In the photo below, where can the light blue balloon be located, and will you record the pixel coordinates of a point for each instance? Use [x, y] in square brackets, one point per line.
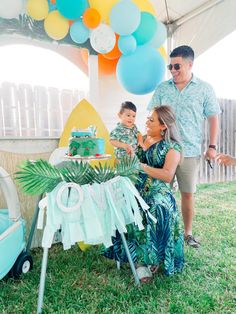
[146, 29]
[72, 9]
[142, 71]
[124, 17]
[79, 33]
[160, 35]
[127, 44]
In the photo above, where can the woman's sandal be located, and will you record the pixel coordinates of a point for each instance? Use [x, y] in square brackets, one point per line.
[144, 274]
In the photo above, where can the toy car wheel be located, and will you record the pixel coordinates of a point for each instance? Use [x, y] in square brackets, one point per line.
[23, 264]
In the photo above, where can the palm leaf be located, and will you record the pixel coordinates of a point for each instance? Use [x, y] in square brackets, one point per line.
[103, 173]
[78, 172]
[26, 26]
[128, 167]
[38, 177]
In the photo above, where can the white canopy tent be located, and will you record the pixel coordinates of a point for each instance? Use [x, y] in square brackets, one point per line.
[200, 24]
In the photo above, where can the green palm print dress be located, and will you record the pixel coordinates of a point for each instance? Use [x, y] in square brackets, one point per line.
[160, 243]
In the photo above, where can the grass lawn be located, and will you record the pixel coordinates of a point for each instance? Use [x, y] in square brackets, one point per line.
[85, 282]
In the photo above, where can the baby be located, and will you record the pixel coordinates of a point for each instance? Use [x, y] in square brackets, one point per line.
[126, 137]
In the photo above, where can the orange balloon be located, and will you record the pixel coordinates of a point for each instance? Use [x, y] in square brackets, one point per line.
[105, 66]
[70, 22]
[115, 52]
[53, 1]
[91, 18]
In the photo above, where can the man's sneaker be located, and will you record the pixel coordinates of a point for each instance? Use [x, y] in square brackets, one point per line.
[189, 240]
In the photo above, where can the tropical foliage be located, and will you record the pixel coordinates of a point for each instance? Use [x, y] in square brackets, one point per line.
[38, 177]
[28, 27]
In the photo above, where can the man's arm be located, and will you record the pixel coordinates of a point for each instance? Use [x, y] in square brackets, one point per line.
[213, 130]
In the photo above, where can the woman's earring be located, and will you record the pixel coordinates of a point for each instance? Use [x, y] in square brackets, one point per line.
[162, 133]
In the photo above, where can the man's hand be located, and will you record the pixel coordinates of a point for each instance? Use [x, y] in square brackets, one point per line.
[210, 154]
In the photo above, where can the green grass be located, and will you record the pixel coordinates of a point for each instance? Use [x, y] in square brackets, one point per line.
[85, 282]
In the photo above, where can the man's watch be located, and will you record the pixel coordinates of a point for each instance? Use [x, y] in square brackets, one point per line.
[213, 147]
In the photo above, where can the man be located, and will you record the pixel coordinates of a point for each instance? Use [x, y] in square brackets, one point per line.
[193, 100]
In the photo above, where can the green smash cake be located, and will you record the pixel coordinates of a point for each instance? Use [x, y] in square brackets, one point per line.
[84, 143]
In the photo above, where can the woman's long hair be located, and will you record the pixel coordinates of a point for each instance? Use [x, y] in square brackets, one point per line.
[166, 117]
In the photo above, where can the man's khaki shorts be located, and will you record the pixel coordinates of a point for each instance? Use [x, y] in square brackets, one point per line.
[187, 174]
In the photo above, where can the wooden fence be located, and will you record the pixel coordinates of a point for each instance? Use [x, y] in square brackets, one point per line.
[226, 144]
[27, 111]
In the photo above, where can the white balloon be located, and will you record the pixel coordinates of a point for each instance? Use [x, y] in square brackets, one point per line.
[10, 9]
[103, 38]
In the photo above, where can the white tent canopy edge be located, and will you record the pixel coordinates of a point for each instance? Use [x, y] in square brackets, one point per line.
[200, 24]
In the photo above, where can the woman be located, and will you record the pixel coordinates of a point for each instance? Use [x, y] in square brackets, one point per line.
[160, 245]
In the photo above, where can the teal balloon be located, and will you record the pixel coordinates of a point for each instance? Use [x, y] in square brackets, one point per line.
[79, 33]
[127, 44]
[160, 35]
[72, 9]
[124, 17]
[146, 29]
[140, 72]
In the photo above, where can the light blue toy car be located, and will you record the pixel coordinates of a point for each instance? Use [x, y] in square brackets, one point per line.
[14, 258]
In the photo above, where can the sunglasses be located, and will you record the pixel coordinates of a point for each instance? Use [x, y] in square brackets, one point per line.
[176, 66]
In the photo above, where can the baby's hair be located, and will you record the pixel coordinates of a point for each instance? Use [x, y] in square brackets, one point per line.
[127, 105]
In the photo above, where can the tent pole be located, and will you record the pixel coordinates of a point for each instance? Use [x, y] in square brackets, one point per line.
[196, 12]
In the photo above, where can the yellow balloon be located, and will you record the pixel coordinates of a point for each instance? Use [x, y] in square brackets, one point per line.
[56, 26]
[37, 9]
[145, 5]
[104, 7]
[163, 53]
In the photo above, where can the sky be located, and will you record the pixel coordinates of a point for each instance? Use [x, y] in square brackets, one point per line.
[38, 66]
[217, 66]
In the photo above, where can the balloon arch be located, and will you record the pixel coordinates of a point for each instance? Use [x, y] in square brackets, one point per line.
[125, 34]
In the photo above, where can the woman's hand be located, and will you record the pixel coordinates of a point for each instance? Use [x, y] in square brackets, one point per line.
[226, 160]
[140, 140]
